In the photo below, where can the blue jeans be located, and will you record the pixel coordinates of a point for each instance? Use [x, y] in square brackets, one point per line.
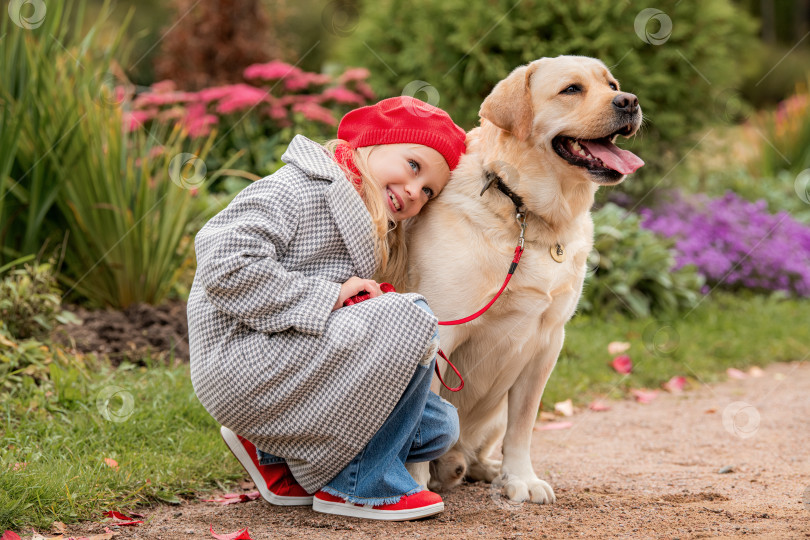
[421, 427]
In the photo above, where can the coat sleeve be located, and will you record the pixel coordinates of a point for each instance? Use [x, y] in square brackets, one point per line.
[237, 262]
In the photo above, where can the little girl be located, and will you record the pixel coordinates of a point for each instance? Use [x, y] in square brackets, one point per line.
[314, 397]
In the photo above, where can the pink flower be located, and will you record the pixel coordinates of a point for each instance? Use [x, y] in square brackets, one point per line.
[215, 93]
[164, 86]
[303, 80]
[167, 98]
[271, 70]
[622, 364]
[315, 112]
[135, 119]
[175, 113]
[354, 74]
[341, 94]
[276, 111]
[364, 89]
[199, 127]
[197, 122]
[241, 97]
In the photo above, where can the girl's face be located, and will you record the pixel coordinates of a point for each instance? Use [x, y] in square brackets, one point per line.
[409, 175]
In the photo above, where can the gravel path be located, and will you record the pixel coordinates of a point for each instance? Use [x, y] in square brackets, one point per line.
[635, 471]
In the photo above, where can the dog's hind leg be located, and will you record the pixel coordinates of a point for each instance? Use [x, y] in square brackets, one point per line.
[482, 466]
[448, 471]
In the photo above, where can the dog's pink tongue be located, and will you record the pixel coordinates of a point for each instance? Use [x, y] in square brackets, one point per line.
[613, 157]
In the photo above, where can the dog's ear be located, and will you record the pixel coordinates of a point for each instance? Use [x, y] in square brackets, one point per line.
[509, 105]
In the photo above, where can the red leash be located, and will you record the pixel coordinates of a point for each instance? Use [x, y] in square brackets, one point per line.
[387, 287]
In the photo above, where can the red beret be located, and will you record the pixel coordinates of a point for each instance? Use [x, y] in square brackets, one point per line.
[404, 119]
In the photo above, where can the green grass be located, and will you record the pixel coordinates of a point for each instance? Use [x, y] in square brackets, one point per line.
[724, 331]
[170, 447]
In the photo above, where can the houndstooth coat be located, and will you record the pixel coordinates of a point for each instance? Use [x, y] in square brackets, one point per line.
[269, 357]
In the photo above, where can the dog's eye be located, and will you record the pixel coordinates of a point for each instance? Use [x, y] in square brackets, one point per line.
[573, 89]
[613, 86]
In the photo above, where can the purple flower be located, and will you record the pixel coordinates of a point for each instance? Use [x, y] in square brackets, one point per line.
[735, 243]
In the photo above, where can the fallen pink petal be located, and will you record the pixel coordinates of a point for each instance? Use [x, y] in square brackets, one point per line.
[598, 406]
[734, 373]
[9, 535]
[617, 347]
[643, 395]
[234, 498]
[121, 519]
[553, 426]
[111, 463]
[675, 385]
[756, 372]
[622, 364]
[239, 535]
[565, 408]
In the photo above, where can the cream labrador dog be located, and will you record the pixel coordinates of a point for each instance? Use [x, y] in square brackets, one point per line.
[545, 144]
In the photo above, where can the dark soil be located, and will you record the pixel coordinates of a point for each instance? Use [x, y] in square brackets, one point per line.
[140, 330]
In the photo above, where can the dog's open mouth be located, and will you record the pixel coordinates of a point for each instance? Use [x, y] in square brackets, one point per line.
[601, 157]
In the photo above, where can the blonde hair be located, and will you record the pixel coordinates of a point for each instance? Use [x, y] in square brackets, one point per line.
[389, 241]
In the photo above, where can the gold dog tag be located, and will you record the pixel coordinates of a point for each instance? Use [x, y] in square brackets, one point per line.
[557, 253]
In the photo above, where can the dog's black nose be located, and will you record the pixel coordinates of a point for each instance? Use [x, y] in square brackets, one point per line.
[626, 102]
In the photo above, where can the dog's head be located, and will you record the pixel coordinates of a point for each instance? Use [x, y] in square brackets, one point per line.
[572, 108]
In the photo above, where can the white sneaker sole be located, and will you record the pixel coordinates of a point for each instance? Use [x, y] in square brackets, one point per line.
[239, 452]
[368, 512]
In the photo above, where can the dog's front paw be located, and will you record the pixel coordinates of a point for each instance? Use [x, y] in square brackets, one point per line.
[486, 469]
[533, 489]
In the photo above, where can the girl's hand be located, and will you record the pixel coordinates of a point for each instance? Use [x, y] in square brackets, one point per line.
[353, 286]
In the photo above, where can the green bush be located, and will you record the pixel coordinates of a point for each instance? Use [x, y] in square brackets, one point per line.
[630, 270]
[464, 48]
[31, 368]
[30, 303]
[779, 70]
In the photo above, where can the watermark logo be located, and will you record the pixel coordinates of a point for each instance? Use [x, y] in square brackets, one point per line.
[418, 108]
[187, 170]
[741, 419]
[592, 262]
[646, 20]
[802, 186]
[340, 18]
[28, 14]
[112, 92]
[115, 404]
[661, 339]
[730, 107]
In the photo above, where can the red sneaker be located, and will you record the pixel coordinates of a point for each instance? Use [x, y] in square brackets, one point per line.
[275, 482]
[419, 505]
